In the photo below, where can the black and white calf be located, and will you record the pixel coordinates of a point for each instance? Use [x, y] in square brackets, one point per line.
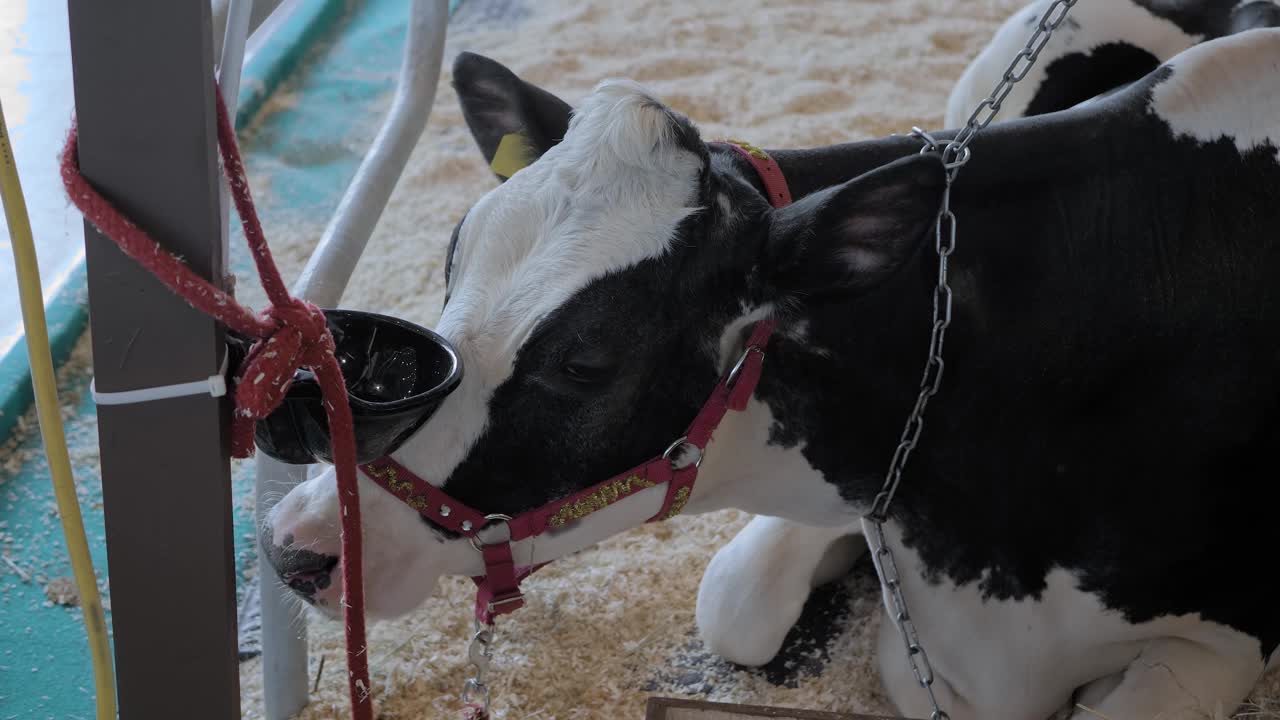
[1094, 494]
[1102, 47]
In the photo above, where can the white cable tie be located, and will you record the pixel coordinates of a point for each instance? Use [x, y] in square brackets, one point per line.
[214, 386]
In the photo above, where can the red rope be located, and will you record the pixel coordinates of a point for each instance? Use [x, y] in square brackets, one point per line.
[291, 333]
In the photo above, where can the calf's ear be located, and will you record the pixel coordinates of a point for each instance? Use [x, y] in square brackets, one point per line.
[512, 121]
[849, 238]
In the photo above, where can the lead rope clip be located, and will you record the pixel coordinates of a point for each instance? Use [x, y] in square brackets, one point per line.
[475, 693]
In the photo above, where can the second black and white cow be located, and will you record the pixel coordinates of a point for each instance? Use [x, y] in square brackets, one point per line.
[1094, 495]
[1100, 48]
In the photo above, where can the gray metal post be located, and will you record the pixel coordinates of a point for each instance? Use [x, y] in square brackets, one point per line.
[284, 642]
[145, 105]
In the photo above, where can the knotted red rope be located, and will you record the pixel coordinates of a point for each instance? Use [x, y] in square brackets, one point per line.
[292, 333]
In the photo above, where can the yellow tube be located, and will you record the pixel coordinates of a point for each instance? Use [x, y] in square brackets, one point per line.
[49, 411]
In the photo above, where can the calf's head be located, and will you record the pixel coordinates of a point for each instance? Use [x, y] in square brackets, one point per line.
[595, 296]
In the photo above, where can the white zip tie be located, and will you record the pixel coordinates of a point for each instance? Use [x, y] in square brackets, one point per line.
[214, 385]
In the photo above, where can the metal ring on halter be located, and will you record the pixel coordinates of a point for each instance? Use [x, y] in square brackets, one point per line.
[683, 442]
[742, 362]
[475, 539]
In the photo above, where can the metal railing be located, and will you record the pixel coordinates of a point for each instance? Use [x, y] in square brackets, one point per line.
[255, 14]
[323, 281]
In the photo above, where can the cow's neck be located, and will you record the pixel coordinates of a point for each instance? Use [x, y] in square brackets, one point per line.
[841, 378]
[1026, 148]
[828, 410]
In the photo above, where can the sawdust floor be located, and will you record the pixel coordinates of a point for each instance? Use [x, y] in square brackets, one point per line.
[613, 625]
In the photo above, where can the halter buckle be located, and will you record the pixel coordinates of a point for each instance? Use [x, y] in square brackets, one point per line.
[516, 597]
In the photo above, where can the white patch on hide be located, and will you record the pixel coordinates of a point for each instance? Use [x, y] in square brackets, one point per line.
[1229, 88]
[1024, 659]
[991, 658]
[742, 470]
[1095, 24]
[722, 201]
[728, 347]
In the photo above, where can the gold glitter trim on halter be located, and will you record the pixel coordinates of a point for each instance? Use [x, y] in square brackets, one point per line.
[598, 500]
[398, 486]
[752, 150]
[677, 505]
[394, 483]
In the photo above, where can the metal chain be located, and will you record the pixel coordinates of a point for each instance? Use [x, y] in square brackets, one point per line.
[987, 110]
[896, 605]
[475, 693]
[954, 156]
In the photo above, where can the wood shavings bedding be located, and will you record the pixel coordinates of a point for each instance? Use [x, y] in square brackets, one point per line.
[610, 626]
[19, 537]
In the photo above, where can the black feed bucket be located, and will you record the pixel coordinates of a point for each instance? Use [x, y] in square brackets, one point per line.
[396, 373]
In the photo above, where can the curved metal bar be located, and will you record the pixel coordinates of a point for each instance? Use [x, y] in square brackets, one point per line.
[323, 281]
[221, 17]
[230, 67]
[231, 62]
[327, 272]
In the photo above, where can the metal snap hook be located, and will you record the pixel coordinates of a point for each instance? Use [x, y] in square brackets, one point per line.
[476, 693]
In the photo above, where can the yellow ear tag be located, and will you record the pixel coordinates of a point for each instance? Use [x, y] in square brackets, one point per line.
[511, 156]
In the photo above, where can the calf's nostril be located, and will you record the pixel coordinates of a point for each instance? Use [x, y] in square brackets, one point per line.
[297, 562]
[302, 569]
[307, 573]
[322, 580]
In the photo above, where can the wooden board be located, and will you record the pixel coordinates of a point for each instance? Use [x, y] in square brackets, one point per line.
[673, 709]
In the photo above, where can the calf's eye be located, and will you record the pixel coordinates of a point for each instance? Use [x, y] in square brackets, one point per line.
[588, 371]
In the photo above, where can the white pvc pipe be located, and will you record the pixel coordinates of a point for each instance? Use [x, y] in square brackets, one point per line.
[221, 13]
[231, 62]
[283, 644]
[323, 281]
[284, 629]
[261, 28]
[230, 67]
[327, 272]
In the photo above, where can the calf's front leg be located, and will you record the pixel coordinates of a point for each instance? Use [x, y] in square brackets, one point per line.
[755, 587]
[1171, 679]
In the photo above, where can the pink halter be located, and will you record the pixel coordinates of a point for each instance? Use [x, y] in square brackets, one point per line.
[498, 590]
